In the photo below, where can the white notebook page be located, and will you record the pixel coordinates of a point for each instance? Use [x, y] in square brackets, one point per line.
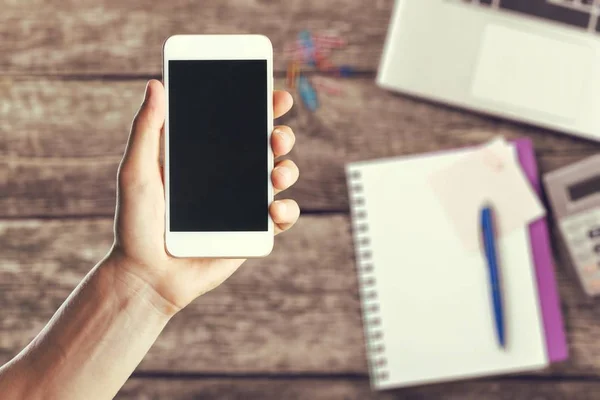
[431, 319]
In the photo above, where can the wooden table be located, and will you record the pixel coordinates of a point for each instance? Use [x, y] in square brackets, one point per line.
[286, 327]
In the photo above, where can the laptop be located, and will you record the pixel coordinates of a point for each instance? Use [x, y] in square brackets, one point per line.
[535, 61]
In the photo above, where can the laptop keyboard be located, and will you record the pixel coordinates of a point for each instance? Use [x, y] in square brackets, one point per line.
[583, 14]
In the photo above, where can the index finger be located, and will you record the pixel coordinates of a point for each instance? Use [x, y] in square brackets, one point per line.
[282, 102]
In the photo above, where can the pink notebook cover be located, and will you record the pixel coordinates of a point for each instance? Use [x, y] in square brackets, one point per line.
[556, 341]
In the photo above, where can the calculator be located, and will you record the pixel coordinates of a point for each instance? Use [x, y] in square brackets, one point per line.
[574, 195]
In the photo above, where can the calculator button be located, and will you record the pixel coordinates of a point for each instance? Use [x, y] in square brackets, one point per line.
[594, 232]
[590, 224]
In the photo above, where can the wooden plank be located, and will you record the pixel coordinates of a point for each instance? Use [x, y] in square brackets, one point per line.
[296, 311]
[91, 37]
[268, 318]
[326, 389]
[61, 141]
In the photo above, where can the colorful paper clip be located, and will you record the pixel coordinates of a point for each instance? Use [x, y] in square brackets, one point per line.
[292, 71]
[296, 52]
[327, 86]
[328, 41]
[312, 51]
[345, 71]
[307, 93]
[323, 64]
[305, 39]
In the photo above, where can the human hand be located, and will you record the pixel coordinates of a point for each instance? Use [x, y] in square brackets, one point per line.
[139, 247]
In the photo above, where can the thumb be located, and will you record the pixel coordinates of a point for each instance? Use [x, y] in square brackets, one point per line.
[143, 146]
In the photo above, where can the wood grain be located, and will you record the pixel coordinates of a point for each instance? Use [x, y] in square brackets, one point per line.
[113, 37]
[296, 311]
[289, 312]
[334, 389]
[70, 81]
[61, 141]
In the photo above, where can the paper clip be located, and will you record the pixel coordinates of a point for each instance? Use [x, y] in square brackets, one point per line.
[323, 63]
[309, 47]
[299, 48]
[313, 55]
[345, 71]
[307, 93]
[327, 86]
[292, 71]
[295, 52]
[329, 41]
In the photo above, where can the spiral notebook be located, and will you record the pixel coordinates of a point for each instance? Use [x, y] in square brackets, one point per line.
[425, 299]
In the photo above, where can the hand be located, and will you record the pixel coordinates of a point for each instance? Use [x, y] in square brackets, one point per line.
[139, 248]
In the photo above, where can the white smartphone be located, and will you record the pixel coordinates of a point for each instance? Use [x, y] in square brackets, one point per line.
[218, 158]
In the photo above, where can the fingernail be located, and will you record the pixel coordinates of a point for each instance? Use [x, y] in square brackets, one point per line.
[281, 134]
[148, 90]
[282, 207]
[284, 172]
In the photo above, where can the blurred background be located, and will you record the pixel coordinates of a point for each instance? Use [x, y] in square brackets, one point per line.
[72, 75]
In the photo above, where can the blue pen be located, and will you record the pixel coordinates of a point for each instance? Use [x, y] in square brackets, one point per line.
[489, 247]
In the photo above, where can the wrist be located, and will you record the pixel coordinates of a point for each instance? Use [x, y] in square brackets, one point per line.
[111, 315]
[129, 285]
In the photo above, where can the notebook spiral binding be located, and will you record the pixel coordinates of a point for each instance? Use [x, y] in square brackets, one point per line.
[366, 279]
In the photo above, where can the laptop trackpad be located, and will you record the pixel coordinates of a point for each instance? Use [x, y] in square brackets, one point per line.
[531, 74]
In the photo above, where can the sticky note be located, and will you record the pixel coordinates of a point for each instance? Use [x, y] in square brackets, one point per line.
[489, 174]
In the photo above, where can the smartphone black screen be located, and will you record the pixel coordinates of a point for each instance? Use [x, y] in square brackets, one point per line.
[218, 166]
